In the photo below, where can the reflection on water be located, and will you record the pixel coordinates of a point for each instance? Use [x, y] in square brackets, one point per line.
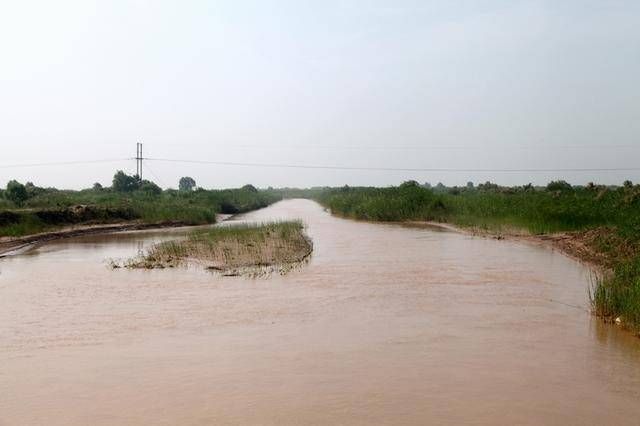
[388, 324]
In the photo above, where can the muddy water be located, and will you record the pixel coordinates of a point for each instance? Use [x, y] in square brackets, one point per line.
[386, 325]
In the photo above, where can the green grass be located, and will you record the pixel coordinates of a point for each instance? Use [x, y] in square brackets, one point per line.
[618, 295]
[52, 209]
[535, 211]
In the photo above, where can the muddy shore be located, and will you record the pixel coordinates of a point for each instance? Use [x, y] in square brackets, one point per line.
[576, 245]
[9, 245]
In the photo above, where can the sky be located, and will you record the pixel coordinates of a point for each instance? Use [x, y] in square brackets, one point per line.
[421, 84]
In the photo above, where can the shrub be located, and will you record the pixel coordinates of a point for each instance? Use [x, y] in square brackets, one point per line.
[559, 185]
[16, 193]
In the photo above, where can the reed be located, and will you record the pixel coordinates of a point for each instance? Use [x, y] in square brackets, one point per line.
[231, 247]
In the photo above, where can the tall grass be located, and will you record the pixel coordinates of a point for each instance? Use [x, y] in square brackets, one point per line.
[384, 204]
[617, 295]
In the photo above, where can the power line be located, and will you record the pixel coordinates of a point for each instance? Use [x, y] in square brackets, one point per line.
[139, 158]
[62, 163]
[502, 147]
[397, 169]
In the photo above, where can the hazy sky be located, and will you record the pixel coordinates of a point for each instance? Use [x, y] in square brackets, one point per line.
[408, 84]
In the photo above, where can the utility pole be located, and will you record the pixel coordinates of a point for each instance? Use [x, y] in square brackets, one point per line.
[139, 160]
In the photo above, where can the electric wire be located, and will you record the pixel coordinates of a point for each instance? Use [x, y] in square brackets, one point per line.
[397, 169]
[62, 163]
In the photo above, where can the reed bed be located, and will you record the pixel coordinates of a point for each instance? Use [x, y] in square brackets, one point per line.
[231, 248]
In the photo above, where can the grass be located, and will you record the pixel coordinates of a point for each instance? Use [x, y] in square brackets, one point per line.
[616, 296]
[232, 247]
[53, 209]
[605, 219]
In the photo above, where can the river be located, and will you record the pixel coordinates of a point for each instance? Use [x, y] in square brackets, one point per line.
[387, 324]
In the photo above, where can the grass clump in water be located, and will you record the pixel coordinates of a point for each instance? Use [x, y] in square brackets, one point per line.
[231, 248]
[616, 296]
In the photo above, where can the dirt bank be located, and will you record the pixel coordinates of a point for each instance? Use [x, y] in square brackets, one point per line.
[579, 245]
[9, 245]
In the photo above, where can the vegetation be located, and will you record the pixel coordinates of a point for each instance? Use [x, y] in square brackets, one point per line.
[407, 202]
[616, 296]
[16, 193]
[186, 184]
[129, 198]
[606, 219]
[231, 248]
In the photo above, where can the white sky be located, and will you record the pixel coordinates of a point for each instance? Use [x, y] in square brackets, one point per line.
[521, 84]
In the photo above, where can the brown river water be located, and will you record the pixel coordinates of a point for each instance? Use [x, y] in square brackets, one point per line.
[387, 324]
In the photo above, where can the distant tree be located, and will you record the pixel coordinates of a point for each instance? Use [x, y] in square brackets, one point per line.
[469, 185]
[186, 183]
[250, 188]
[33, 190]
[123, 182]
[488, 186]
[559, 185]
[440, 187]
[97, 186]
[16, 193]
[627, 184]
[150, 187]
[427, 185]
[409, 184]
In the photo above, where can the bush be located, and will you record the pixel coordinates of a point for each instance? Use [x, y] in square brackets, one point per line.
[150, 188]
[16, 193]
[559, 185]
[186, 183]
[122, 182]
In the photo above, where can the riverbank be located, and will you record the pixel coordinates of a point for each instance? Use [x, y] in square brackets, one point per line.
[232, 250]
[50, 209]
[615, 295]
[10, 245]
[580, 246]
[596, 224]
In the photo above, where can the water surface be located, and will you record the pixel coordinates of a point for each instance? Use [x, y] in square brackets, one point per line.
[386, 325]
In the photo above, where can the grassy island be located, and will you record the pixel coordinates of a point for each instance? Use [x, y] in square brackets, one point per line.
[231, 248]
